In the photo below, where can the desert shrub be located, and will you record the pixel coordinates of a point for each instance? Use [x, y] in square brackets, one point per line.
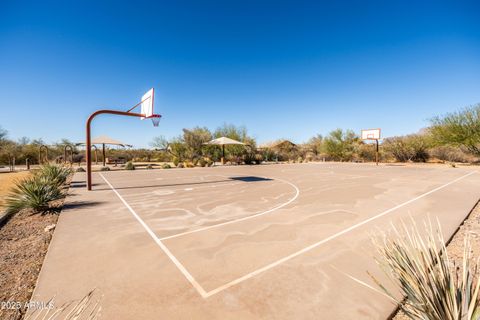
[418, 264]
[129, 166]
[175, 161]
[149, 166]
[450, 153]
[180, 165]
[54, 174]
[166, 166]
[188, 164]
[79, 169]
[35, 193]
[299, 159]
[202, 162]
[412, 147]
[258, 157]
[314, 145]
[209, 162]
[105, 168]
[366, 152]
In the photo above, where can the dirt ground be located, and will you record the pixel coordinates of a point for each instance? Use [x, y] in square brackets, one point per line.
[24, 243]
[7, 181]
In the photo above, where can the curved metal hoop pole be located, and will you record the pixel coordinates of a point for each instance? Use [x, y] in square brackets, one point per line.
[40, 160]
[65, 153]
[89, 140]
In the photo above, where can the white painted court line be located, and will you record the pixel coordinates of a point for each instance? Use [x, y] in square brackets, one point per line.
[180, 267]
[297, 192]
[336, 235]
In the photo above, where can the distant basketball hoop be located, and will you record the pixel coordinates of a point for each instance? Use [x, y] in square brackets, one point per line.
[147, 105]
[372, 134]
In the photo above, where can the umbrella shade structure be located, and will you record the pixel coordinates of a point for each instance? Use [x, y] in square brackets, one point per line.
[108, 140]
[223, 141]
[103, 140]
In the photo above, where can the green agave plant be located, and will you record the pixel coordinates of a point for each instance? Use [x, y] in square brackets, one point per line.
[35, 193]
[434, 286]
[39, 190]
[54, 174]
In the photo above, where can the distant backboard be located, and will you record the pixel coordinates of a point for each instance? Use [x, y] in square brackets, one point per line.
[147, 104]
[371, 134]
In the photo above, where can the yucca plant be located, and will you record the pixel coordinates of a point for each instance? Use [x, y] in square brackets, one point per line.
[87, 308]
[434, 286]
[35, 193]
[54, 174]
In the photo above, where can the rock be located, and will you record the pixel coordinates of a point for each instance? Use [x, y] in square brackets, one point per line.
[50, 227]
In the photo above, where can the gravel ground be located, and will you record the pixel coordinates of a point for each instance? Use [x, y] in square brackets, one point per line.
[23, 245]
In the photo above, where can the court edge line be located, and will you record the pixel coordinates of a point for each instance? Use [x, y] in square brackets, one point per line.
[177, 263]
[336, 235]
[297, 193]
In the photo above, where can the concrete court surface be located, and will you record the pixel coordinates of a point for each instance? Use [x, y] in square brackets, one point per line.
[242, 242]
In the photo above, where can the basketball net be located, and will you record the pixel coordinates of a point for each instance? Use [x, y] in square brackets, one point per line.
[155, 119]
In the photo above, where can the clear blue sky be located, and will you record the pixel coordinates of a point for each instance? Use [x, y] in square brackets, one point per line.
[284, 69]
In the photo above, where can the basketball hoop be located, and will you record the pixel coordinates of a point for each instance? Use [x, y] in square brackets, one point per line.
[155, 119]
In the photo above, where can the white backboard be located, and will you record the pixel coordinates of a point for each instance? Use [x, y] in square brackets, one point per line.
[147, 104]
[371, 134]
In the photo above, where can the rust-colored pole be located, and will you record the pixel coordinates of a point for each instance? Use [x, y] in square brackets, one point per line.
[40, 153]
[376, 152]
[65, 153]
[89, 140]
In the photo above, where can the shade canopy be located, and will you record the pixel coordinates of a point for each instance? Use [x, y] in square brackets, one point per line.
[223, 141]
[108, 140]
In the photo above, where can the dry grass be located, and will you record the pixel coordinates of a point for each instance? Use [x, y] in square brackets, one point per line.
[7, 181]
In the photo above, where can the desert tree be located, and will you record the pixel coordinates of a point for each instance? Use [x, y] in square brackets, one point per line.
[314, 144]
[194, 140]
[461, 128]
[238, 133]
[340, 145]
[175, 147]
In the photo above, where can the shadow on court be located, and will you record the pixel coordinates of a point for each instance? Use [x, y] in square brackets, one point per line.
[243, 179]
[250, 179]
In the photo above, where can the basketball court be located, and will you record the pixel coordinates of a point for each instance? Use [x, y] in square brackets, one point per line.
[242, 242]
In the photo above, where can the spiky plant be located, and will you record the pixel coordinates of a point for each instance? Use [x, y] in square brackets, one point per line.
[35, 193]
[88, 308]
[54, 174]
[129, 166]
[434, 286]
